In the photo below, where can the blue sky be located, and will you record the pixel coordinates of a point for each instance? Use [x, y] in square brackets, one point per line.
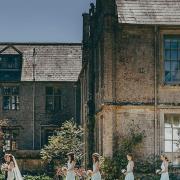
[42, 20]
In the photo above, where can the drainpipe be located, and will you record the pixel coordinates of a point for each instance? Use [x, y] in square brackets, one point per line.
[155, 91]
[33, 123]
[75, 103]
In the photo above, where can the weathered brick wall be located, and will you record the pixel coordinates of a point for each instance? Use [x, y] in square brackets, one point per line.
[135, 64]
[139, 117]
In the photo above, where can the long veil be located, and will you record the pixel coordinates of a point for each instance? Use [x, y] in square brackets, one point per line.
[17, 172]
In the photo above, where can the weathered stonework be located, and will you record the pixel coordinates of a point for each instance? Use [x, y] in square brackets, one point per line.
[128, 75]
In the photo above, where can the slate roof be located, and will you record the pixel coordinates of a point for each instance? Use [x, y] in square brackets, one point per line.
[54, 61]
[165, 12]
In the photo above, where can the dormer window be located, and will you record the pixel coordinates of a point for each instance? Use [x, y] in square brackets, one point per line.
[10, 67]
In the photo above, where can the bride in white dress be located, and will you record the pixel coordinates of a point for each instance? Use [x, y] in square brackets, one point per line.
[13, 169]
[71, 164]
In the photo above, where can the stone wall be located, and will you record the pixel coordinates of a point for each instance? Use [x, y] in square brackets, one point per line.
[23, 118]
[136, 92]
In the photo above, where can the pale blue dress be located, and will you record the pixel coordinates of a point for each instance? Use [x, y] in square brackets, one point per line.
[70, 172]
[130, 175]
[164, 168]
[97, 175]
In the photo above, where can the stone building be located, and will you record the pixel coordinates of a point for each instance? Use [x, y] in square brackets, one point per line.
[131, 74]
[37, 90]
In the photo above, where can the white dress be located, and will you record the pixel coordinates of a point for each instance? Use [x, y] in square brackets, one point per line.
[97, 175]
[10, 174]
[70, 172]
[164, 168]
[130, 175]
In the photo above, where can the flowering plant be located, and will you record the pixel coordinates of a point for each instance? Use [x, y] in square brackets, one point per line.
[4, 168]
[123, 171]
[89, 173]
[158, 171]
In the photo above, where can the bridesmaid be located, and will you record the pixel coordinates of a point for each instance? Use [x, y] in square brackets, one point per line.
[164, 168]
[96, 167]
[129, 173]
[71, 164]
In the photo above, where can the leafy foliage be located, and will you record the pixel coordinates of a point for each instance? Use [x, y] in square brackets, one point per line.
[111, 167]
[3, 123]
[148, 165]
[67, 138]
[42, 177]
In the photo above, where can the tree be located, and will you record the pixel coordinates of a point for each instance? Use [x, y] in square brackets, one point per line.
[67, 138]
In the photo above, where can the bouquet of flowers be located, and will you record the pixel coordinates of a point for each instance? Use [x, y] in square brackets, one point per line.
[123, 171]
[4, 168]
[81, 173]
[89, 174]
[158, 171]
[64, 171]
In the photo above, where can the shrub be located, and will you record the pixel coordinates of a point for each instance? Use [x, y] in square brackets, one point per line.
[111, 167]
[148, 165]
[43, 177]
[2, 176]
[67, 138]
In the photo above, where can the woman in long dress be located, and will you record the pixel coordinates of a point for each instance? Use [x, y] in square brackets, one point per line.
[10, 168]
[71, 164]
[129, 173]
[13, 169]
[164, 168]
[96, 167]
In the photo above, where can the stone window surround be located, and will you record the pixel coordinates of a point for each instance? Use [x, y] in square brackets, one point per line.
[16, 97]
[54, 98]
[162, 127]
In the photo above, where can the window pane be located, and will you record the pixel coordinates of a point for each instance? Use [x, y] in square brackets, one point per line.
[49, 103]
[168, 133]
[175, 76]
[176, 133]
[176, 121]
[179, 54]
[10, 61]
[174, 54]
[57, 91]
[168, 146]
[57, 105]
[178, 66]
[13, 102]
[167, 55]
[175, 146]
[15, 90]
[6, 103]
[167, 66]
[174, 66]
[17, 103]
[174, 44]
[167, 44]
[168, 120]
[167, 76]
[49, 90]
[7, 91]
